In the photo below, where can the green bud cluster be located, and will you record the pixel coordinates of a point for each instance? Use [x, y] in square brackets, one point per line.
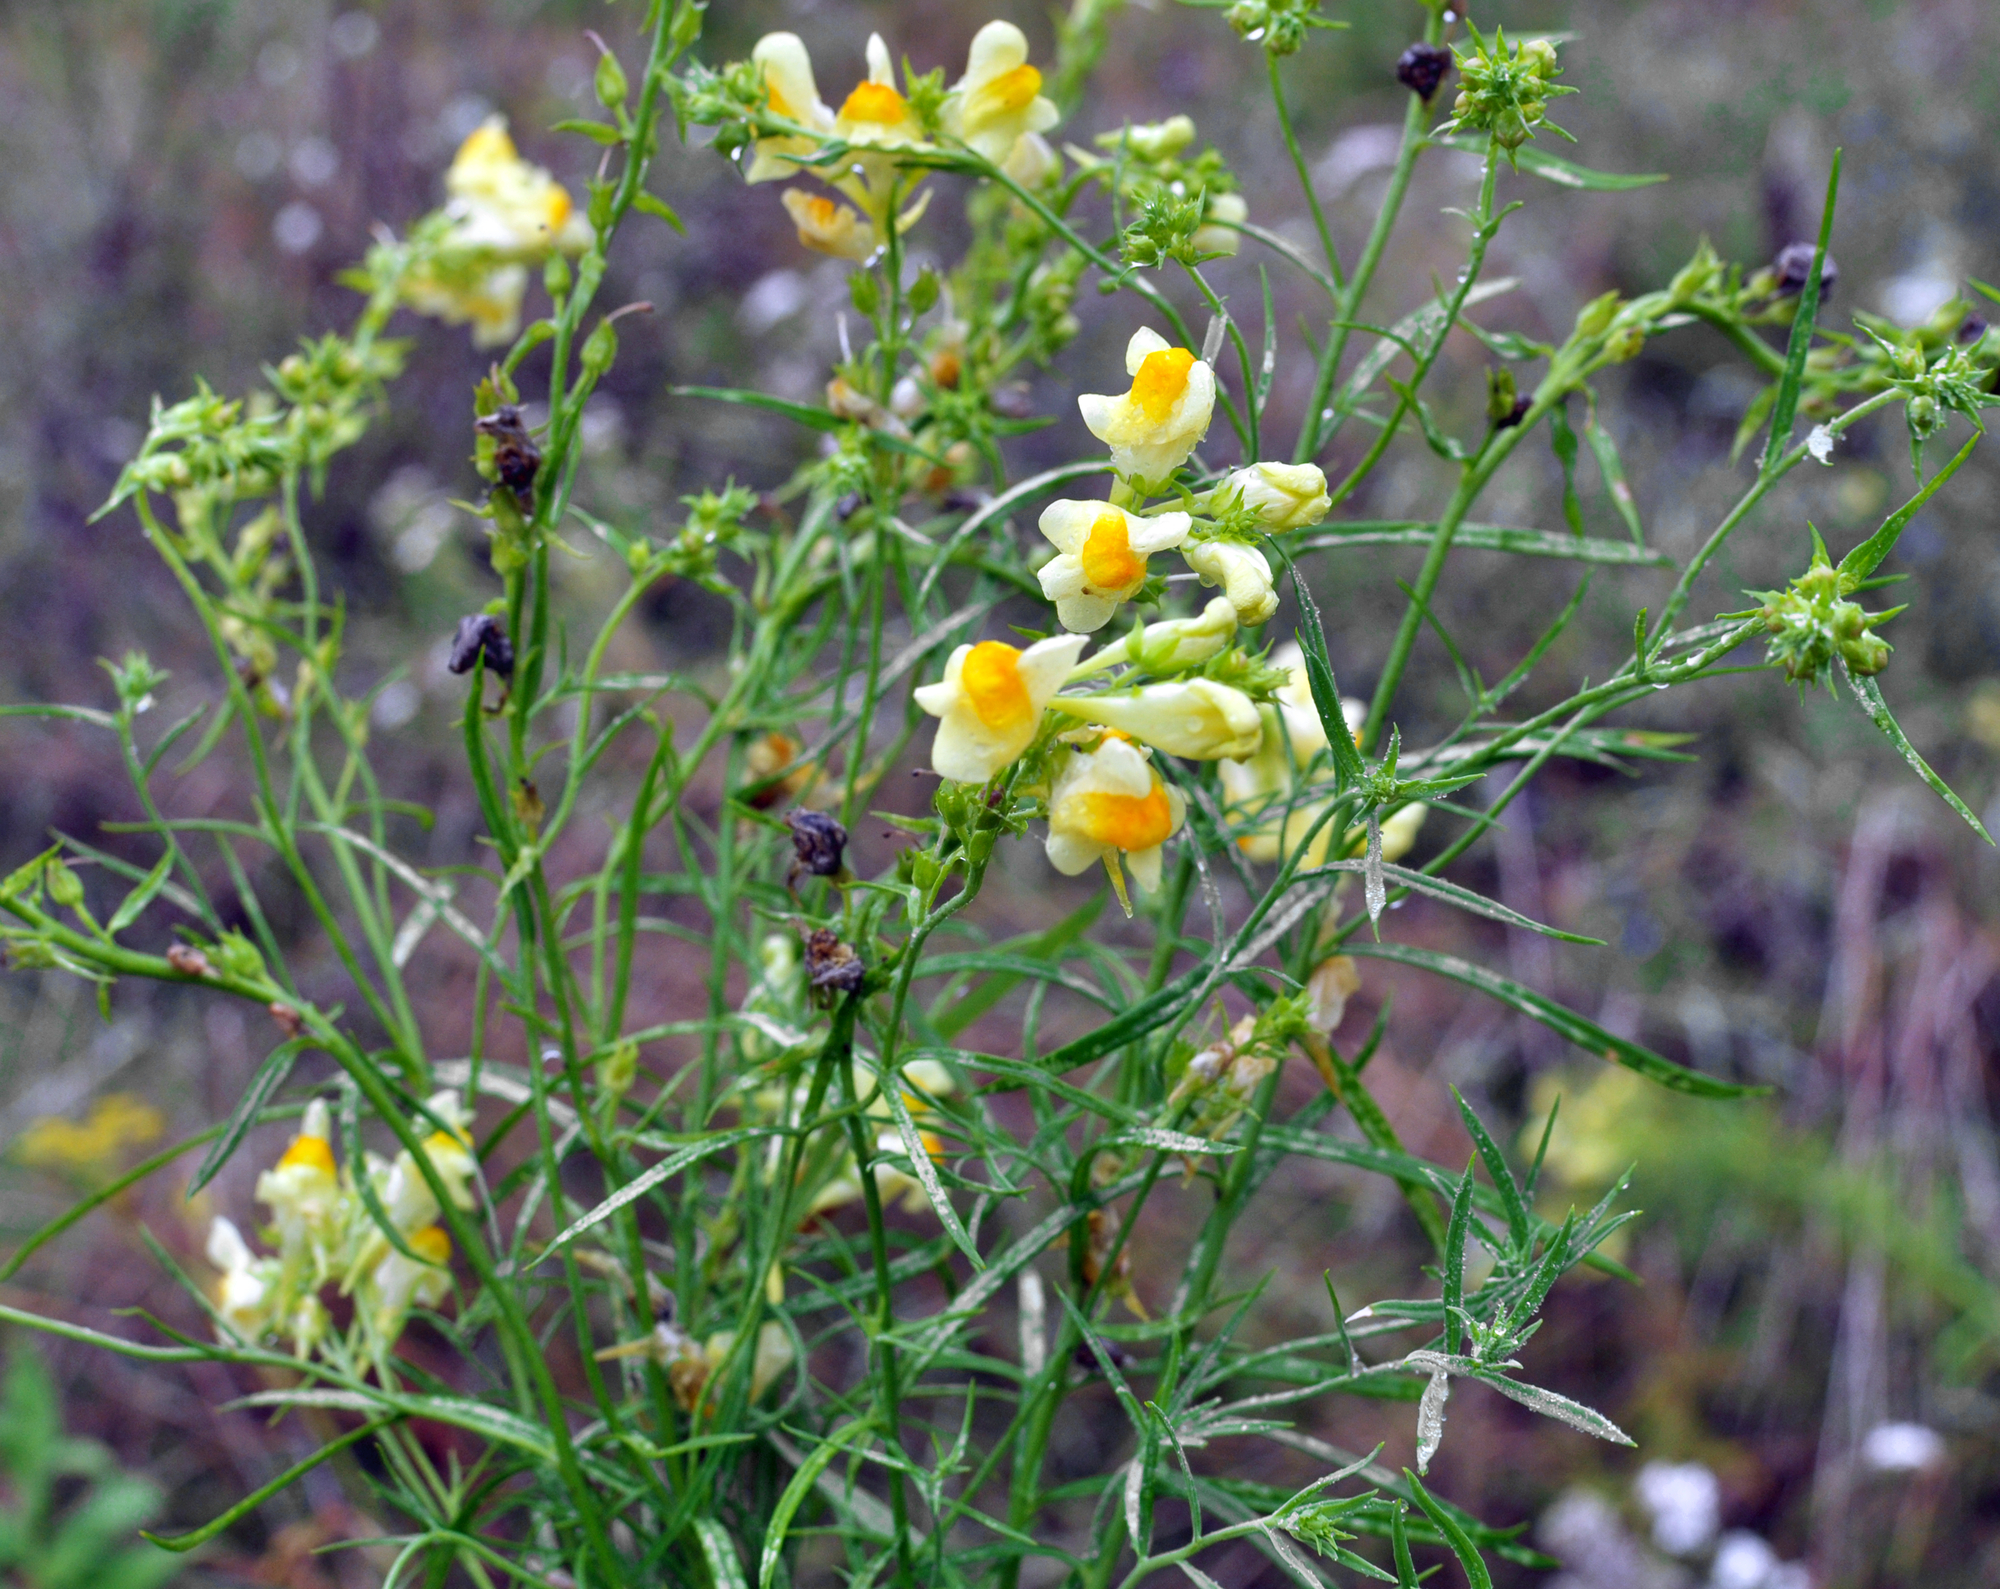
[1811, 623]
[1506, 88]
[1279, 25]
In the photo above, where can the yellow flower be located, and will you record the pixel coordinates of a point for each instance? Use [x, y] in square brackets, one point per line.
[405, 1195]
[90, 1150]
[1153, 140]
[999, 100]
[773, 1356]
[1172, 643]
[397, 1284]
[1196, 718]
[1107, 803]
[1152, 428]
[243, 1295]
[793, 94]
[991, 701]
[1244, 574]
[505, 207]
[1259, 785]
[467, 292]
[1212, 237]
[874, 113]
[829, 226]
[1031, 162]
[1284, 496]
[1333, 982]
[1101, 559]
[309, 1210]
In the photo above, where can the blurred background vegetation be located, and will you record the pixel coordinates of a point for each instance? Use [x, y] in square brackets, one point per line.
[1810, 1364]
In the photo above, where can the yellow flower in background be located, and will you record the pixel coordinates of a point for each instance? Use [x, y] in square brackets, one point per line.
[999, 100]
[1152, 428]
[932, 1082]
[1109, 803]
[1284, 496]
[1032, 161]
[991, 701]
[1260, 785]
[309, 1208]
[91, 1149]
[1101, 557]
[793, 94]
[489, 300]
[1196, 718]
[243, 1294]
[1215, 237]
[1243, 572]
[829, 226]
[773, 1356]
[505, 206]
[398, 1284]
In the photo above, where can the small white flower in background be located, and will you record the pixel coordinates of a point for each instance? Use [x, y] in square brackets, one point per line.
[792, 94]
[1901, 1448]
[999, 100]
[1819, 442]
[1101, 557]
[1243, 572]
[1107, 803]
[242, 1296]
[1685, 1503]
[1152, 428]
[1214, 237]
[1196, 718]
[991, 701]
[828, 226]
[1285, 496]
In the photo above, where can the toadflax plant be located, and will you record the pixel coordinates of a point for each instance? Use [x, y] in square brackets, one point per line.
[799, 1284]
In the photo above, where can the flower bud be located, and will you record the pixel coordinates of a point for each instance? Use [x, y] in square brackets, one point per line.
[65, 887]
[610, 81]
[1174, 643]
[1284, 496]
[1244, 574]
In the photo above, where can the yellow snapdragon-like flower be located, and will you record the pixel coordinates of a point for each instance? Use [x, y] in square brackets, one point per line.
[1152, 428]
[1101, 557]
[489, 300]
[793, 94]
[991, 701]
[875, 113]
[1032, 161]
[505, 206]
[1284, 496]
[244, 1293]
[1109, 803]
[1243, 572]
[398, 1284]
[309, 1208]
[1196, 718]
[1174, 642]
[405, 1195]
[1217, 233]
[828, 226]
[999, 100]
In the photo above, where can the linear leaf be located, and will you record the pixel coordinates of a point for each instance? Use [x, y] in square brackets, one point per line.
[1612, 467]
[926, 1173]
[644, 1182]
[1452, 894]
[1484, 538]
[1785, 405]
[794, 1495]
[269, 1078]
[1869, 693]
[1858, 564]
[1552, 168]
[1460, 1542]
[1347, 764]
[1518, 1223]
[141, 896]
[719, 1551]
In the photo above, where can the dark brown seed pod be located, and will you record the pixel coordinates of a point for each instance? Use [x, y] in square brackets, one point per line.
[1516, 415]
[817, 843]
[516, 458]
[1421, 68]
[832, 966]
[481, 632]
[1794, 265]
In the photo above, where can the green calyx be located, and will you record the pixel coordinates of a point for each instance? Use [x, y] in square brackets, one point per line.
[1506, 88]
[1812, 622]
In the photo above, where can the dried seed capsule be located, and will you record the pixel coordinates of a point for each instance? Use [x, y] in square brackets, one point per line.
[481, 632]
[832, 966]
[1794, 264]
[817, 843]
[1421, 68]
[516, 458]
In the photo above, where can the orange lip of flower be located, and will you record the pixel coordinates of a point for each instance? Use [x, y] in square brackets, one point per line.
[776, 102]
[1162, 377]
[877, 103]
[1124, 822]
[559, 208]
[991, 679]
[1109, 562]
[431, 1244]
[1008, 92]
[313, 1151]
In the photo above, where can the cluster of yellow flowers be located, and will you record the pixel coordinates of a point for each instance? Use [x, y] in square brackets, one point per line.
[89, 1151]
[996, 109]
[324, 1232]
[502, 216]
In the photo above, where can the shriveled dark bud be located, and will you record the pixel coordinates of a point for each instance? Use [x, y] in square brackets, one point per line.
[481, 632]
[189, 961]
[290, 1022]
[1421, 68]
[1086, 1359]
[1794, 265]
[832, 966]
[1971, 329]
[1012, 401]
[850, 502]
[516, 458]
[1514, 415]
[817, 843]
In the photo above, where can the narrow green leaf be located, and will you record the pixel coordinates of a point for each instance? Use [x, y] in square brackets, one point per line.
[644, 1182]
[1869, 693]
[1612, 467]
[250, 1502]
[1461, 1544]
[656, 206]
[1562, 442]
[1550, 1405]
[140, 897]
[599, 132]
[926, 1173]
[1858, 564]
[1565, 1022]
[800, 413]
[1464, 898]
[1519, 1226]
[1784, 407]
[269, 1078]
[1483, 538]
[1551, 168]
[1454, 1259]
[1399, 1539]
[794, 1495]
[719, 1551]
[1347, 764]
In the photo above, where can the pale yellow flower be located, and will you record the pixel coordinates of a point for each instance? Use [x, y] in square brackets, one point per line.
[772, 1358]
[1152, 428]
[991, 701]
[505, 207]
[999, 100]
[1212, 237]
[487, 299]
[874, 113]
[793, 94]
[1333, 982]
[1109, 803]
[1032, 161]
[243, 1294]
[397, 1284]
[1196, 718]
[829, 226]
[1243, 572]
[309, 1209]
[1284, 496]
[117, 1122]
[1172, 643]
[1259, 786]
[1101, 557]
[405, 1195]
